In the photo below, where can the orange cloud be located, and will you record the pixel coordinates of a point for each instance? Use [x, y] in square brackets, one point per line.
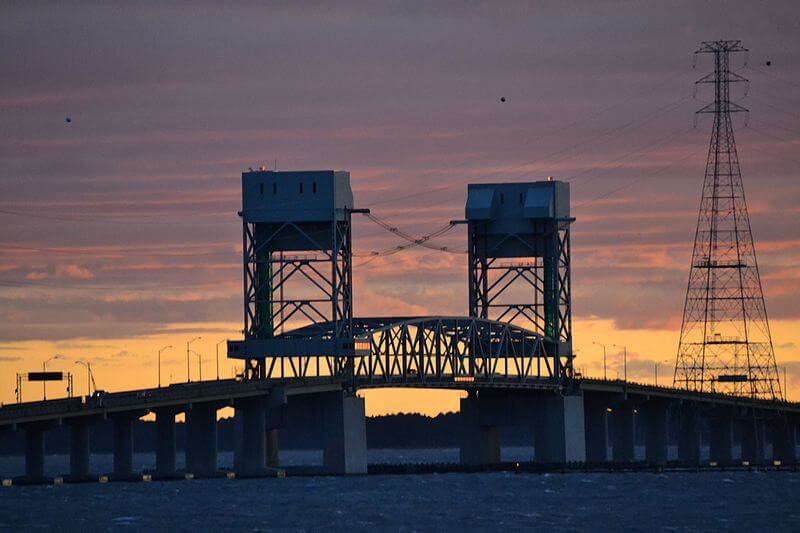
[73, 272]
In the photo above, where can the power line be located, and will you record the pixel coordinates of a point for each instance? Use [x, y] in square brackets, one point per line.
[778, 126]
[773, 76]
[412, 240]
[640, 150]
[638, 180]
[119, 288]
[775, 108]
[597, 140]
[105, 219]
[118, 251]
[581, 121]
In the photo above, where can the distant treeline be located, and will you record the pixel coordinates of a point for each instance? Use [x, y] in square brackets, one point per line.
[390, 431]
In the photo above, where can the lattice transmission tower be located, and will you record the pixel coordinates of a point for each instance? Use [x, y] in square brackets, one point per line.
[725, 343]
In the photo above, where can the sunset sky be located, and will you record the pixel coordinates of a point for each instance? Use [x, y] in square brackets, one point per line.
[119, 233]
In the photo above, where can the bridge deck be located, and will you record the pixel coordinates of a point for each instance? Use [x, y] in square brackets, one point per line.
[227, 391]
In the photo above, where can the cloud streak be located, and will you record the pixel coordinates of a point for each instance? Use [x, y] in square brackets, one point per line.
[140, 191]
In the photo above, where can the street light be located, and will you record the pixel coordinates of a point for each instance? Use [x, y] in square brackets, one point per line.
[785, 391]
[217, 349]
[624, 361]
[200, 362]
[44, 369]
[656, 368]
[89, 377]
[605, 376]
[188, 370]
[159, 363]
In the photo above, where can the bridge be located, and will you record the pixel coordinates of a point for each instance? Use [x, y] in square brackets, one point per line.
[307, 355]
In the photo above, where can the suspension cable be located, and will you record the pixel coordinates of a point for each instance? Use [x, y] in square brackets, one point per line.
[412, 241]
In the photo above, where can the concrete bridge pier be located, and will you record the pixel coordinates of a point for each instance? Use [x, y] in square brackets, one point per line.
[250, 452]
[623, 432]
[275, 418]
[35, 433]
[272, 447]
[201, 439]
[784, 440]
[480, 436]
[753, 439]
[165, 441]
[560, 435]
[595, 411]
[721, 436]
[79, 449]
[656, 423]
[689, 433]
[344, 434]
[123, 443]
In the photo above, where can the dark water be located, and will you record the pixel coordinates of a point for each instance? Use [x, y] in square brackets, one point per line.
[57, 465]
[741, 501]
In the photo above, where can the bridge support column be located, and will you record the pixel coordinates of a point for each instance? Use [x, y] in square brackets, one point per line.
[623, 432]
[79, 449]
[721, 438]
[480, 437]
[34, 451]
[784, 440]
[275, 416]
[165, 441]
[345, 434]
[656, 439]
[123, 444]
[595, 412]
[252, 448]
[689, 434]
[272, 447]
[753, 440]
[201, 439]
[560, 435]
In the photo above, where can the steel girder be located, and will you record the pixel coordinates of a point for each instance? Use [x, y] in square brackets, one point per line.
[431, 351]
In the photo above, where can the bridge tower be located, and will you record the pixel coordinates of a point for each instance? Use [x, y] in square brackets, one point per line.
[725, 343]
[519, 261]
[297, 267]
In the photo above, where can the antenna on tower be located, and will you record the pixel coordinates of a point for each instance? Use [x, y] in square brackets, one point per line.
[725, 343]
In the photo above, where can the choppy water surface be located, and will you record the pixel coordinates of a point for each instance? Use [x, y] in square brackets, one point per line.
[741, 501]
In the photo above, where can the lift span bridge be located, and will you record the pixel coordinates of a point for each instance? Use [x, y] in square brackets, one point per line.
[298, 265]
[307, 355]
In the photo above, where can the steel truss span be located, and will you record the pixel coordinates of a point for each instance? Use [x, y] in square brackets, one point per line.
[441, 351]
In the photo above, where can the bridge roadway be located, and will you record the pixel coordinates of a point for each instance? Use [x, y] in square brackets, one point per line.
[572, 424]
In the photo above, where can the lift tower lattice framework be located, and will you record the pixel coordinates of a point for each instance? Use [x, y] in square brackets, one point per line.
[297, 271]
[725, 343]
[519, 261]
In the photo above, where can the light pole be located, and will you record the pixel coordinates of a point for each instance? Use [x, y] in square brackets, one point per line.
[44, 369]
[159, 363]
[785, 390]
[88, 376]
[188, 370]
[656, 368]
[605, 376]
[217, 349]
[624, 361]
[200, 363]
